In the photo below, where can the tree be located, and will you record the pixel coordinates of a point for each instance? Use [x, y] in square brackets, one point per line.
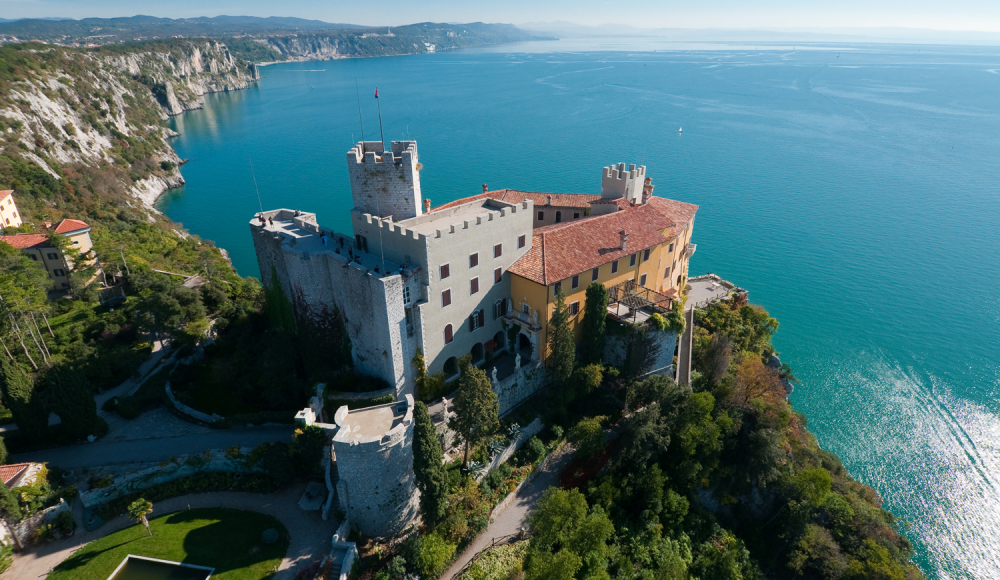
[29, 412]
[588, 437]
[477, 409]
[565, 537]
[562, 351]
[428, 466]
[72, 399]
[3, 452]
[754, 380]
[595, 318]
[138, 510]
[642, 348]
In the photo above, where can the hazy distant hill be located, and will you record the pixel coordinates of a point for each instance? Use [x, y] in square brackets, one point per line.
[105, 30]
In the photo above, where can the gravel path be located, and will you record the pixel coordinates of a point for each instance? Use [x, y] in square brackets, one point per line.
[310, 535]
[510, 521]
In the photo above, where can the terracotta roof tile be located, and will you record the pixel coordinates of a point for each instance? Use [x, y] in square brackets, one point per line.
[539, 199]
[10, 473]
[562, 250]
[25, 241]
[5, 194]
[69, 225]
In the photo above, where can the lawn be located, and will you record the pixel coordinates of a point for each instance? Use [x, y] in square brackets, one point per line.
[225, 539]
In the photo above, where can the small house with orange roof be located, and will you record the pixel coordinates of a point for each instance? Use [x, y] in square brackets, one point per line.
[41, 248]
[9, 217]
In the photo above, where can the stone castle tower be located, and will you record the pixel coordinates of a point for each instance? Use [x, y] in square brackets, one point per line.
[618, 182]
[385, 183]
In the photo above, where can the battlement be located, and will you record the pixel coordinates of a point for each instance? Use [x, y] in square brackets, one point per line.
[465, 217]
[385, 183]
[618, 182]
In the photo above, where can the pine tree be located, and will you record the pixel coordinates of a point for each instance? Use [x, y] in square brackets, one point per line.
[562, 351]
[428, 465]
[72, 400]
[477, 409]
[595, 319]
[30, 415]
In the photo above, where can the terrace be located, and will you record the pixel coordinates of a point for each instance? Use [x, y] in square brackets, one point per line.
[630, 302]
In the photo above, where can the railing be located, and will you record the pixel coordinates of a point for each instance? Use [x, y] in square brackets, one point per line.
[501, 541]
[522, 317]
[689, 250]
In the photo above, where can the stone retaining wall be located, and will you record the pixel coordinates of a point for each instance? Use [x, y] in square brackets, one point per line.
[197, 415]
[532, 429]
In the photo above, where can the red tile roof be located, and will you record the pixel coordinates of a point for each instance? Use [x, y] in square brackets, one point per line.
[69, 225]
[5, 194]
[10, 473]
[25, 241]
[539, 199]
[562, 250]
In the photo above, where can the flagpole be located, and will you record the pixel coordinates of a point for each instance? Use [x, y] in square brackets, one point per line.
[255, 186]
[357, 92]
[380, 134]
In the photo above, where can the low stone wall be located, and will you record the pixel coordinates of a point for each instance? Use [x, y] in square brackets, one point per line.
[525, 382]
[359, 396]
[532, 429]
[25, 529]
[197, 415]
[150, 474]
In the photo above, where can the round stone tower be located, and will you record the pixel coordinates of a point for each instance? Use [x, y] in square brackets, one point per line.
[374, 453]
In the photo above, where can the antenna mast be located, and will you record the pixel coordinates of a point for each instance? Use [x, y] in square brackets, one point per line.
[380, 134]
[255, 186]
[360, 119]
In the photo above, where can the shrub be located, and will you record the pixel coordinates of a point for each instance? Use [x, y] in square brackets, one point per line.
[533, 450]
[498, 476]
[433, 556]
[270, 536]
[6, 558]
[128, 407]
[588, 437]
[65, 522]
[110, 405]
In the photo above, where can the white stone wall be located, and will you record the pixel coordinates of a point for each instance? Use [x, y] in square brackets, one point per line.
[385, 183]
[513, 390]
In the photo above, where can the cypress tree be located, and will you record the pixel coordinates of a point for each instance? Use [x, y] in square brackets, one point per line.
[595, 319]
[30, 415]
[428, 458]
[72, 400]
[562, 351]
[3, 452]
[477, 409]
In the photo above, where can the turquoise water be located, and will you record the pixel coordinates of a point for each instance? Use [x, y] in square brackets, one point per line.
[856, 197]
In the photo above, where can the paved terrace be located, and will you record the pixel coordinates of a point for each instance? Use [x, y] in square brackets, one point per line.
[429, 223]
[303, 235]
[706, 289]
[373, 422]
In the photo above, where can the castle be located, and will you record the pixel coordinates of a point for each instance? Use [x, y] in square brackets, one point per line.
[478, 276]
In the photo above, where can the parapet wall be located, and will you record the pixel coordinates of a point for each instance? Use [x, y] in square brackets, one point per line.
[617, 181]
[385, 183]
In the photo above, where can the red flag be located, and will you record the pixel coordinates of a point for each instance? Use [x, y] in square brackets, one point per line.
[376, 92]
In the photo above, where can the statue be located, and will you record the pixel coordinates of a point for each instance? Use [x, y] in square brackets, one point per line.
[517, 361]
[494, 374]
[510, 307]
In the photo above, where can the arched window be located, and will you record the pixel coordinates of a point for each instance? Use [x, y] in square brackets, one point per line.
[558, 216]
[449, 335]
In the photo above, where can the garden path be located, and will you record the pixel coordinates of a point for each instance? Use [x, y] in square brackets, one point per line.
[310, 536]
[513, 518]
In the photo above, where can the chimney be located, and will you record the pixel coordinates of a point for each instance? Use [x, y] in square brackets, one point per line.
[485, 188]
[548, 200]
[624, 239]
[427, 205]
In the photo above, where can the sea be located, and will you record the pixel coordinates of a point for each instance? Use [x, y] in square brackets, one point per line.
[853, 189]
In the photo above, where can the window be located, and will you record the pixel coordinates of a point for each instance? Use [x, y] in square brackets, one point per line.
[671, 248]
[497, 250]
[558, 216]
[362, 242]
[574, 308]
[525, 308]
[449, 335]
[642, 280]
[614, 267]
[631, 260]
[521, 241]
[576, 282]
[446, 298]
[33, 257]
[52, 256]
[445, 271]
[477, 320]
[474, 285]
[474, 260]
[645, 255]
[58, 272]
[499, 308]
[541, 216]
[595, 274]
[406, 295]
[497, 275]
[65, 285]
[557, 288]
[666, 273]
[576, 215]
[76, 242]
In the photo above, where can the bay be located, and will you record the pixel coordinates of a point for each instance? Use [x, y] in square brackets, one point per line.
[852, 189]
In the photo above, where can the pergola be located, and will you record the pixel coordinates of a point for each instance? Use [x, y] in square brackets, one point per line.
[639, 302]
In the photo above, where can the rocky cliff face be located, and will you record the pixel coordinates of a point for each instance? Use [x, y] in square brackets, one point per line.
[105, 109]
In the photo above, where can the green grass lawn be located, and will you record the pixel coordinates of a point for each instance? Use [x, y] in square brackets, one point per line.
[225, 539]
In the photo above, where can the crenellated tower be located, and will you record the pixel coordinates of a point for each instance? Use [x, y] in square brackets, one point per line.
[385, 183]
[619, 182]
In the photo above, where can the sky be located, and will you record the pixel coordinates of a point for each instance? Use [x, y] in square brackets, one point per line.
[980, 15]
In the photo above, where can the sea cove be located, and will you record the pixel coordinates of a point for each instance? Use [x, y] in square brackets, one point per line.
[851, 189]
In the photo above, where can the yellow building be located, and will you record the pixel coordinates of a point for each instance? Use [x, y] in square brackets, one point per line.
[40, 248]
[639, 250]
[9, 217]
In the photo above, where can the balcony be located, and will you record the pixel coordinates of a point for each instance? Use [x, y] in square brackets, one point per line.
[527, 321]
[689, 250]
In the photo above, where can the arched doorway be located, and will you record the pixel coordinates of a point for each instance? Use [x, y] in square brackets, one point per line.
[524, 345]
[451, 367]
[498, 341]
[478, 353]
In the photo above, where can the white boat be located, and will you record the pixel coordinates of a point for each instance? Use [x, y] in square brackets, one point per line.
[681, 130]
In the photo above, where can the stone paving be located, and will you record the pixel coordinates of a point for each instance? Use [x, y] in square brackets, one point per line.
[310, 536]
[704, 291]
